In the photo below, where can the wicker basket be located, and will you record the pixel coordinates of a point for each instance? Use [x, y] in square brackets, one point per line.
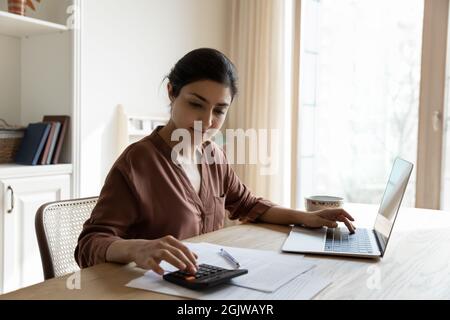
[10, 139]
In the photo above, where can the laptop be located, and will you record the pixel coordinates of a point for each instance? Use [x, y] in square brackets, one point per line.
[364, 243]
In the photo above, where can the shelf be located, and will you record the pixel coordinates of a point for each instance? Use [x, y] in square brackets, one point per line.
[16, 171]
[19, 26]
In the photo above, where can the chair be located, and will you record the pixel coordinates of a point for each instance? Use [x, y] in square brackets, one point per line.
[58, 226]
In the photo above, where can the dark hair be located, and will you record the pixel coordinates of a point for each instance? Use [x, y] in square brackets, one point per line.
[203, 64]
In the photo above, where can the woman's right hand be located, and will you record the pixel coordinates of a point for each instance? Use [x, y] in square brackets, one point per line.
[148, 254]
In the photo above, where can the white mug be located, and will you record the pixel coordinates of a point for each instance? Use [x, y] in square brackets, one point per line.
[315, 203]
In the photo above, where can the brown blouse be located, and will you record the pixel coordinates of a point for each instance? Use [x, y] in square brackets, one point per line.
[148, 196]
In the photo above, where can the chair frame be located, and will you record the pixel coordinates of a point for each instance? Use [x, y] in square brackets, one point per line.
[44, 249]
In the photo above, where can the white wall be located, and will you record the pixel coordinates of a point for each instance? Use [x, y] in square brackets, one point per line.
[10, 79]
[46, 76]
[127, 49]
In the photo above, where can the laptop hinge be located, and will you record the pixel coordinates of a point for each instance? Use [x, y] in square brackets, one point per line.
[378, 242]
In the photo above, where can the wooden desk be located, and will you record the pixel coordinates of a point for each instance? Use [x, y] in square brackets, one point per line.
[416, 264]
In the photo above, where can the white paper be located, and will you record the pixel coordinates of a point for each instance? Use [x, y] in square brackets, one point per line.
[303, 287]
[267, 270]
[272, 275]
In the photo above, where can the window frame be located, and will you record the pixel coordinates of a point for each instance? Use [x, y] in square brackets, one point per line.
[431, 105]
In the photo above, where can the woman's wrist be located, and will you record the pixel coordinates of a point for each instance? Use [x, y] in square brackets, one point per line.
[123, 251]
[300, 217]
[285, 216]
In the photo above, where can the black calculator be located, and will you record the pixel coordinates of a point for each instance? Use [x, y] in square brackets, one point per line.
[207, 276]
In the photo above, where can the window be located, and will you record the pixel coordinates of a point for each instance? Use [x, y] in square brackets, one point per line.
[359, 96]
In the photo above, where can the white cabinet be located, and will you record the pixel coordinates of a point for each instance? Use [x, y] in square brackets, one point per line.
[20, 197]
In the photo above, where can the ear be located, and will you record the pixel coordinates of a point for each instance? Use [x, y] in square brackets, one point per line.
[170, 92]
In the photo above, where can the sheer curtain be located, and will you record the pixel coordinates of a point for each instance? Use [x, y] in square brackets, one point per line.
[258, 49]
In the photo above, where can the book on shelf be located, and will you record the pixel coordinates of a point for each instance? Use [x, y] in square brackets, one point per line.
[53, 143]
[43, 141]
[33, 143]
[55, 154]
[48, 144]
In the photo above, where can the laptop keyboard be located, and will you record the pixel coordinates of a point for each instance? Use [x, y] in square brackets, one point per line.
[340, 240]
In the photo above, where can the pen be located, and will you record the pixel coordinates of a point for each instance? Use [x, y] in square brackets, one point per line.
[230, 258]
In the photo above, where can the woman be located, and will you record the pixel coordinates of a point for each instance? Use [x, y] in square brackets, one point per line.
[150, 202]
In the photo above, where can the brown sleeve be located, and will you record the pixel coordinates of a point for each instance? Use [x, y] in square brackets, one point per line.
[115, 211]
[239, 201]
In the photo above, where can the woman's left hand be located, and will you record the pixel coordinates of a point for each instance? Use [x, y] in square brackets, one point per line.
[328, 218]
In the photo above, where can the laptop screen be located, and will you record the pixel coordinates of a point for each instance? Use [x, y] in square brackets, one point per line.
[392, 198]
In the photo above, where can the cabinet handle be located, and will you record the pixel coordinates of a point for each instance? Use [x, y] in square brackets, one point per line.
[12, 200]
